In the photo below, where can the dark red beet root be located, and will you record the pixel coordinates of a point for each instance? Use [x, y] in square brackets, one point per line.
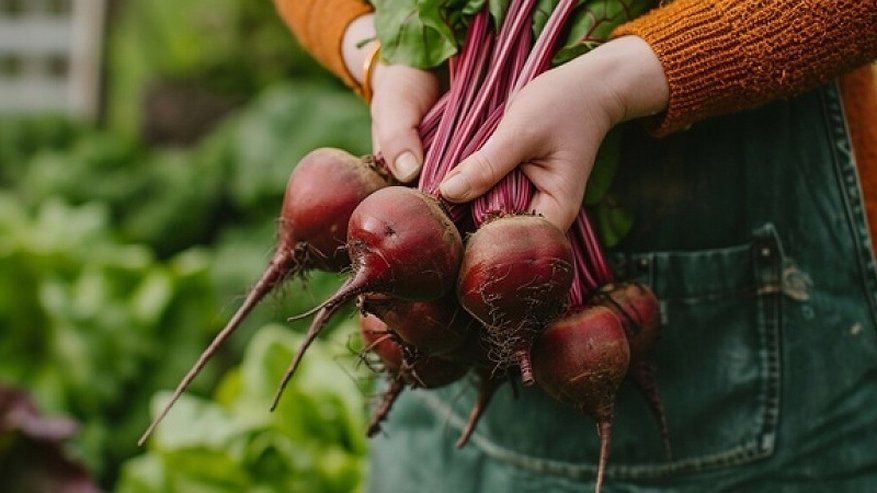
[434, 327]
[403, 366]
[379, 340]
[401, 244]
[639, 311]
[637, 306]
[515, 276]
[322, 191]
[582, 359]
[642, 374]
[486, 389]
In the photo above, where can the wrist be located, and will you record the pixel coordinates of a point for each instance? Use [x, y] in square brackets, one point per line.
[357, 45]
[631, 77]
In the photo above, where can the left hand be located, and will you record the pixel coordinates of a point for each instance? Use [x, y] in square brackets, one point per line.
[553, 127]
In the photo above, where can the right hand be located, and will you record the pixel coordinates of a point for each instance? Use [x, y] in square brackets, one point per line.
[401, 97]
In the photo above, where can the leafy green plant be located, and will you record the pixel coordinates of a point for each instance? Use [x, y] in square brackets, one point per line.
[312, 442]
[89, 322]
[425, 33]
[172, 199]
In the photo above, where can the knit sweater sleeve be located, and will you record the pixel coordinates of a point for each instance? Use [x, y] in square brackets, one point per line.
[722, 56]
[319, 27]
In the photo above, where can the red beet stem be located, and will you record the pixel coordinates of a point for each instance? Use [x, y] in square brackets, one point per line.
[592, 248]
[543, 49]
[522, 357]
[466, 73]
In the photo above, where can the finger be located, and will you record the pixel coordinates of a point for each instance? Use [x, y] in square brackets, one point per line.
[401, 148]
[394, 132]
[484, 168]
[397, 110]
[560, 183]
[561, 213]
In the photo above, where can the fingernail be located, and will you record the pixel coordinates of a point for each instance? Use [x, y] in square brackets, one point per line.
[455, 187]
[407, 167]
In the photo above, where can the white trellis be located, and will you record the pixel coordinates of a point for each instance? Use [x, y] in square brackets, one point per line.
[50, 55]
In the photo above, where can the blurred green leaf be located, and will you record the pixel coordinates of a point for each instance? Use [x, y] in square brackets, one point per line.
[85, 317]
[120, 261]
[613, 221]
[605, 165]
[314, 441]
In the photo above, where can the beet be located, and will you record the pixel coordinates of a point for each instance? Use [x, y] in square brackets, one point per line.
[404, 366]
[516, 272]
[322, 191]
[582, 359]
[401, 244]
[638, 308]
[434, 327]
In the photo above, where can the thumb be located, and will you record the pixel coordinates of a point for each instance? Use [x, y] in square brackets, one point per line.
[485, 167]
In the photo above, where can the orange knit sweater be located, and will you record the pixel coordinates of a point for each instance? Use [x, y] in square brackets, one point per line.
[719, 56]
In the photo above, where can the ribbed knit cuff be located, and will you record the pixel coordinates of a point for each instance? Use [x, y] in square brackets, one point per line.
[722, 56]
[319, 27]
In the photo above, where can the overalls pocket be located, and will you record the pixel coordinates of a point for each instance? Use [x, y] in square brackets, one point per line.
[718, 359]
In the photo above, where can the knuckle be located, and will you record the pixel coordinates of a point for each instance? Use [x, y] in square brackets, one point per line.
[485, 169]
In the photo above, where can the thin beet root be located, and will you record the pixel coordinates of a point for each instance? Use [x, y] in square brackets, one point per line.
[582, 359]
[638, 308]
[321, 193]
[401, 244]
[642, 374]
[383, 410]
[516, 273]
[486, 390]
[403, 366]
[604, 432]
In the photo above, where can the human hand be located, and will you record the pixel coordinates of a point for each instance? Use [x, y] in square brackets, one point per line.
[554, 125]
[401, 97]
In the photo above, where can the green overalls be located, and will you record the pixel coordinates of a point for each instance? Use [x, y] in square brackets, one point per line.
[751, 230]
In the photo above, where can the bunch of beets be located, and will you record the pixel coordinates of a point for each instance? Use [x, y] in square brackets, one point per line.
[444, 289]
